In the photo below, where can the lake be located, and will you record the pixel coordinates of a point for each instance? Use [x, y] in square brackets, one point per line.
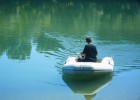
[37, 37]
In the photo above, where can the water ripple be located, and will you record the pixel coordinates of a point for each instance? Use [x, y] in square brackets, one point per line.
[52, 83]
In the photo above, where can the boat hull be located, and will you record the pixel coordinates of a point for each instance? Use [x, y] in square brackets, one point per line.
[73, 67]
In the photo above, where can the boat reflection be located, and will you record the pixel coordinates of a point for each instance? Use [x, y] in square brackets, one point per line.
[87, 85]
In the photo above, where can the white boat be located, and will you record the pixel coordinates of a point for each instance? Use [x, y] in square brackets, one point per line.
[72, 67]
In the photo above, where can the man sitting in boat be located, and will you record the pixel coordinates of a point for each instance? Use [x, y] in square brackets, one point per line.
[89, 53]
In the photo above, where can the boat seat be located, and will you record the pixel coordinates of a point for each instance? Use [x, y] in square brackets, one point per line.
[99, 60]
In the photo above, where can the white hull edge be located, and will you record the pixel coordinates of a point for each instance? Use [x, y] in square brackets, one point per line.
[73, 67]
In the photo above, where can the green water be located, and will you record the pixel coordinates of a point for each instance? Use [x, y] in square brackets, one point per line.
[36, 37]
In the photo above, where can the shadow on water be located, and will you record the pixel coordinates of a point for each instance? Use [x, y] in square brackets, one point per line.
[87, 85]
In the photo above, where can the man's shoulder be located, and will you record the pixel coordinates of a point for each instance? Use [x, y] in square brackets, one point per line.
[90, 45]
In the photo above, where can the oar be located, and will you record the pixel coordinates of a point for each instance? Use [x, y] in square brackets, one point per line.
[81, 54]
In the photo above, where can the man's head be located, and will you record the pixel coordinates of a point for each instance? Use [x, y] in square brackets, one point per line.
[88, 39]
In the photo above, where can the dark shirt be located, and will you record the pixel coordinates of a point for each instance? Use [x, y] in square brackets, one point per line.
[90, 51]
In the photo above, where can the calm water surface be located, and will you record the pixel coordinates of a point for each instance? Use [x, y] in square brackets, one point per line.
[37, 37]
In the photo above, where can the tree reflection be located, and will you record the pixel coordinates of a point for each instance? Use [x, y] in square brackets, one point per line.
[24, 20]
[45, 43]
[16, 47]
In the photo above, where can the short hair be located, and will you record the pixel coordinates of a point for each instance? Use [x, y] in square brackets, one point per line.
[88, 39]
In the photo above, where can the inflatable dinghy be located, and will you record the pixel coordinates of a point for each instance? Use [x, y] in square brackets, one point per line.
[72, 67]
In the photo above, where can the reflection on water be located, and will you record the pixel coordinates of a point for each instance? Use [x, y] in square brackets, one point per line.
[57, 29]
[88, 85]
[25, 22]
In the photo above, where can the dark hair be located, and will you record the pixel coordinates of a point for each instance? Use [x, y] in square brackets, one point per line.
[88, 39]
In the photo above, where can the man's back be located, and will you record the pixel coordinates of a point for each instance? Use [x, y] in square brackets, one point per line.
[90, 51]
